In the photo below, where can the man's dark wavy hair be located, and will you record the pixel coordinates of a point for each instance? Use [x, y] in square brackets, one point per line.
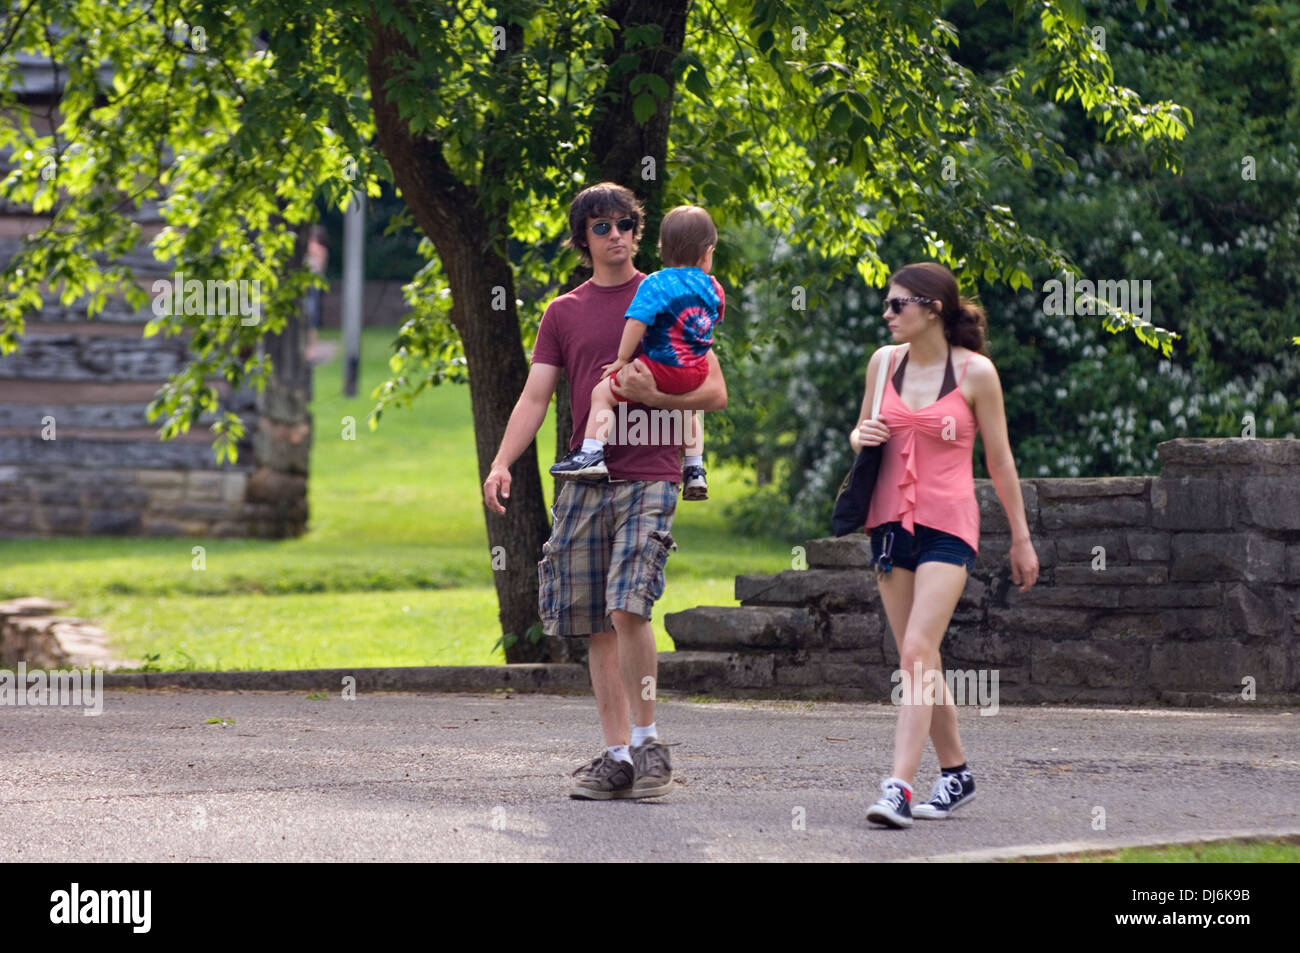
[604, 200]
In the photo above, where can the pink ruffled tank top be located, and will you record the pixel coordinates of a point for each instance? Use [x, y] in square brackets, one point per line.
[926, 475]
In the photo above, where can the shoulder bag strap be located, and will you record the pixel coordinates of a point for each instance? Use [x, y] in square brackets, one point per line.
[888, 361]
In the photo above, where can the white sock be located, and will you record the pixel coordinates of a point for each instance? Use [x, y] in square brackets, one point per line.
[591, 443]
[904, 785]
[695, 461]
[620, 753]
[641, 735]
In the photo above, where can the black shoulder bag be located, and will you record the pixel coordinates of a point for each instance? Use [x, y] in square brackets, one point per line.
[854, 498]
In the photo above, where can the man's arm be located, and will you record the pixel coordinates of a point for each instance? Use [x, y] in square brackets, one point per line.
[525, 420]
[637, 384]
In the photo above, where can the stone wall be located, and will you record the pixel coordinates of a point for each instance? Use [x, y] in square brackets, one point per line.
[78, 455]
[1181, 588]
[32, 635]
[99, 467]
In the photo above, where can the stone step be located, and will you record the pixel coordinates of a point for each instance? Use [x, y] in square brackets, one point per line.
[30, 635]
[831, 590]
[1084, 597]
[705, 672]
[738, 627]
[846, 552]
[31, 418]
[30, 605]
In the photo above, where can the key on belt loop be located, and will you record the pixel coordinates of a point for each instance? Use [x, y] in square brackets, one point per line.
[886, 562]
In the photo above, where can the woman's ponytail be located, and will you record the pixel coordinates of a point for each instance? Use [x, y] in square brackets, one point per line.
[969, 328]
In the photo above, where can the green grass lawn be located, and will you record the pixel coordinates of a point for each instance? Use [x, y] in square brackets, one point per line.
[1227, 852]
[395, 568]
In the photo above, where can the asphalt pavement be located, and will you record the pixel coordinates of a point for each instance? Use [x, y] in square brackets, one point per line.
[280, 776]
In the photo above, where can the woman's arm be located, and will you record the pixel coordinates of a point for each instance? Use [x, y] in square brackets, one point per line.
[874, 432]
[990, 413]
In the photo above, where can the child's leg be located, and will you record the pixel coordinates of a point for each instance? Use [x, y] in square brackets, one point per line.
[601, 416]
[588, 461]
[694, 484]
[695, 438]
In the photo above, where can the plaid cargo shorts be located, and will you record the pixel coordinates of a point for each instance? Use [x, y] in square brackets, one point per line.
[609, 542]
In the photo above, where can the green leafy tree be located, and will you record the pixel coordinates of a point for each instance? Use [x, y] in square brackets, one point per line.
[1218, 242]
[828, 125]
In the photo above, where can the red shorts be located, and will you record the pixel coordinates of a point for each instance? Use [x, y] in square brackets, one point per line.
[670, 380]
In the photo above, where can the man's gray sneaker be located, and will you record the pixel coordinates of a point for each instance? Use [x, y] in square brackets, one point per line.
[603, 779]
[654, 769]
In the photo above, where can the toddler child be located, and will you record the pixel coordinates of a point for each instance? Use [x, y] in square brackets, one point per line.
[672, 317]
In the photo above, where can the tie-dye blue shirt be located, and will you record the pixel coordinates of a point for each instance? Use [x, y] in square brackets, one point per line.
[681, 306]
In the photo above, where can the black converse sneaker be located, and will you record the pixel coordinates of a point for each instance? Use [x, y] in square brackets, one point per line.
[589, 465]
[894, 808]
[950, 792]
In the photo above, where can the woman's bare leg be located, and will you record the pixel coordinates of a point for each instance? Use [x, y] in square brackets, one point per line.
[896, 593]
[936, 588]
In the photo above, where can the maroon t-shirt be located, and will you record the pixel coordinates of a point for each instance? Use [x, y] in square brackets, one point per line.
[580, 332]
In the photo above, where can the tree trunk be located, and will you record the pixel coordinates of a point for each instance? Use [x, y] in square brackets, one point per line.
[619, 146]
[449, 212]
[563, 414]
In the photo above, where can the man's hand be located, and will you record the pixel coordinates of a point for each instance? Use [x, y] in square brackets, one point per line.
[498, 479]
[638, 384]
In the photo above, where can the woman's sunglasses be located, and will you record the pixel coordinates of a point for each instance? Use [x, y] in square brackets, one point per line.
[624, 225]
[895, 305]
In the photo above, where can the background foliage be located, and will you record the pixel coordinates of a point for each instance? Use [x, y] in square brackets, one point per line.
[1222, 252]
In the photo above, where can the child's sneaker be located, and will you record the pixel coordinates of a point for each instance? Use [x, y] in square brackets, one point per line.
[694, 486]
[894, 808]
[950, 792]
[583, 466]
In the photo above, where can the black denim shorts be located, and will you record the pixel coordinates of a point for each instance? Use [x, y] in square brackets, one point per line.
[892, 546]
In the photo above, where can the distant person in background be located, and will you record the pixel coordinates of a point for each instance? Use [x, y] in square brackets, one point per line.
[317, 257]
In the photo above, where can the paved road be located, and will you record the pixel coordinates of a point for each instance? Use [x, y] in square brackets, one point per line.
[406, 777]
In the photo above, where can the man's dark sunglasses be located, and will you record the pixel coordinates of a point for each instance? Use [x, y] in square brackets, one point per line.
[895, 305]
[624, 225]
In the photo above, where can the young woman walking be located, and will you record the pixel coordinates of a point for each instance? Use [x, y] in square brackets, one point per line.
[924, 518]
